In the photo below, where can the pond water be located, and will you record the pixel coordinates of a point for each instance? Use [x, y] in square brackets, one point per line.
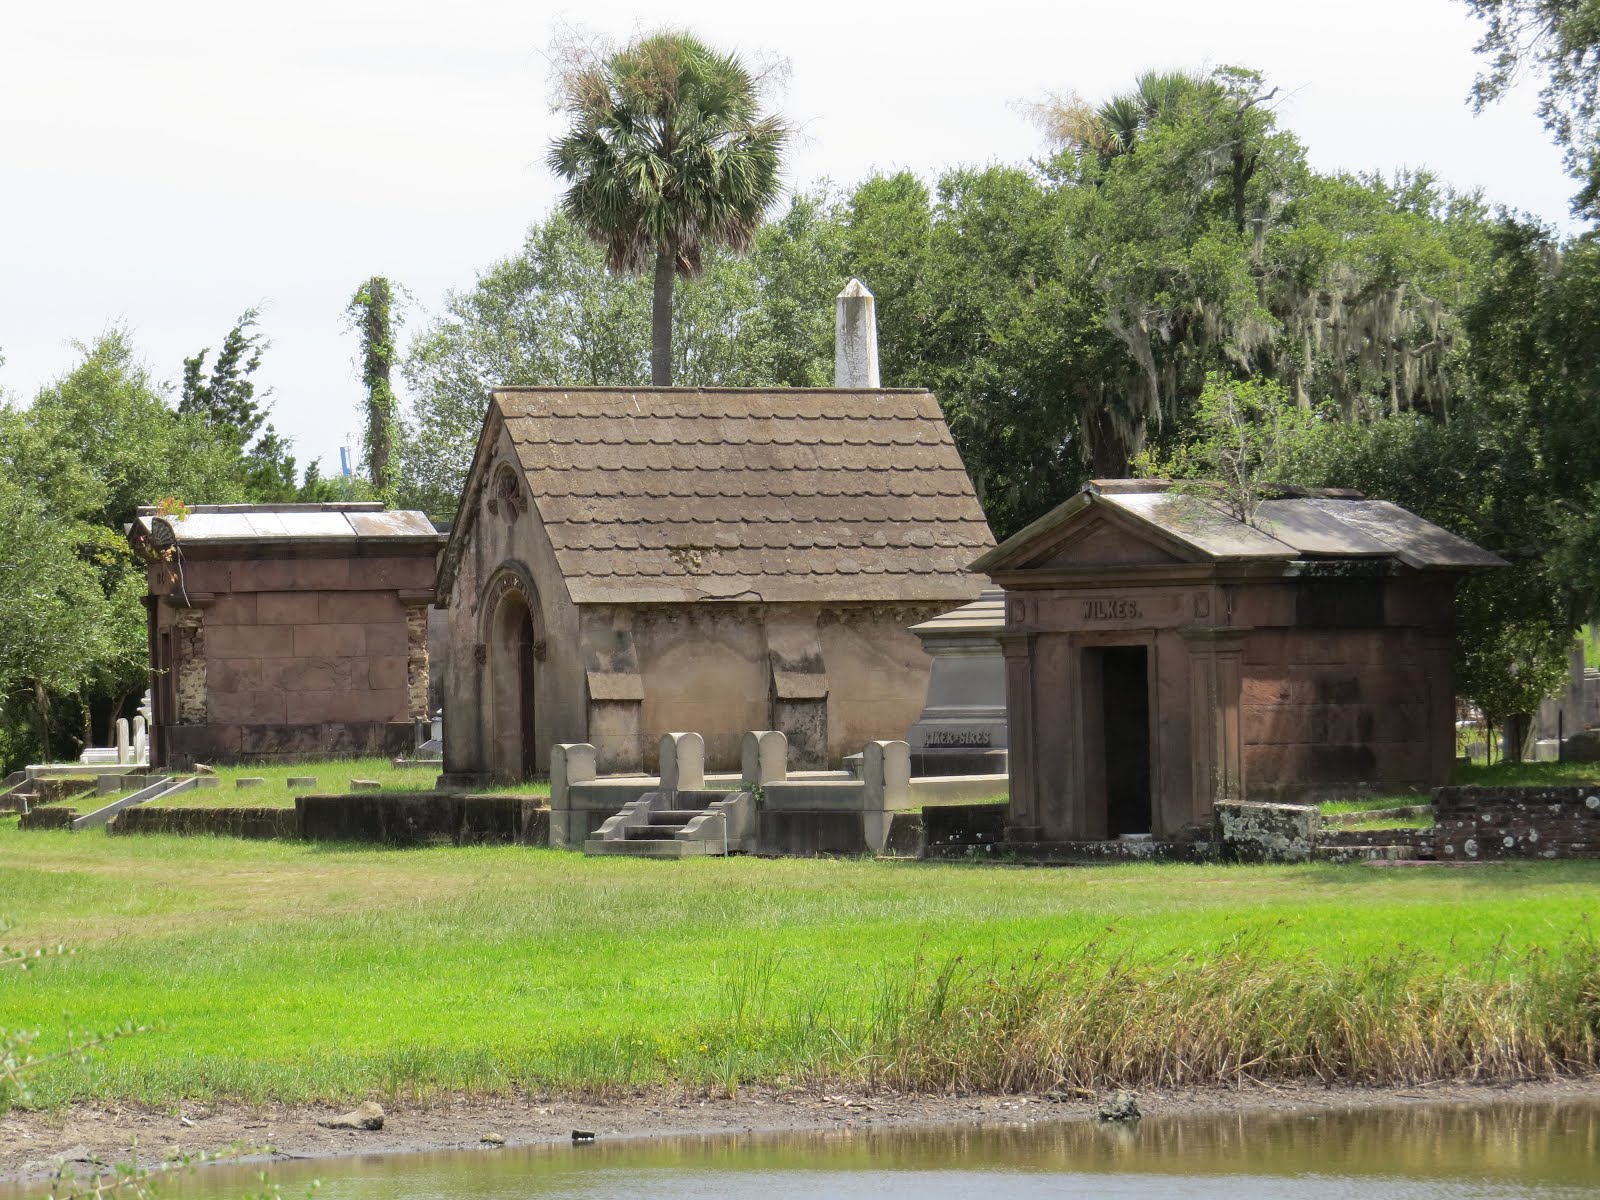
[1525, 1149]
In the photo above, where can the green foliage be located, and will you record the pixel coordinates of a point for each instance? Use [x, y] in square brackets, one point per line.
[225, 400]
[1246, 435]
[668, 154]
[54, 573]
[986, 314]
[554, 315]
[74, 466]
[1561, 38]
[1475, 476]
[92, 447]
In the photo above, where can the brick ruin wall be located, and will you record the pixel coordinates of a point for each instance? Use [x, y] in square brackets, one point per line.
[1482, 823]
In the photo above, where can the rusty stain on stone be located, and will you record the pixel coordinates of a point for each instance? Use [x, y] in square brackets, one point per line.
[417, 662]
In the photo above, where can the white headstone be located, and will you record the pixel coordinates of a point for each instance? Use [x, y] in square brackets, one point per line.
[683, 762]
[762, 757]
[123, 748]
[855, 338]
[141, 741]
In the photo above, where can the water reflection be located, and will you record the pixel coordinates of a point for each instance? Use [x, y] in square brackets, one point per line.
[1513, 1149]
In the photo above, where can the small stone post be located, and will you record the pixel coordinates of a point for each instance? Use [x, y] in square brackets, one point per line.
[855, 338]
[141, 743]
[122, 741]
[683, 762]
[886, 784]
[763, 758]
[570, 763]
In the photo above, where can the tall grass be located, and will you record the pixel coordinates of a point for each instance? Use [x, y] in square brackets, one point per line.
[1103, 1018]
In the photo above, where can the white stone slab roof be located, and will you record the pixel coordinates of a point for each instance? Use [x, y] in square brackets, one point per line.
[240, 524]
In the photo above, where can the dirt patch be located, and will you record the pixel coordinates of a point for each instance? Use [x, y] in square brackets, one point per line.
[33, 1145]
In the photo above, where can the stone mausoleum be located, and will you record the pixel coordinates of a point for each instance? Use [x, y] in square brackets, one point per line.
[626, 563]
[1162, 654]
[286, 632]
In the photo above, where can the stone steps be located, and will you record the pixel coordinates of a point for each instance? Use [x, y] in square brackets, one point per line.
[1353, 854]
[651, 847]
[1406, 812]
[1420, 835]
[708, 822]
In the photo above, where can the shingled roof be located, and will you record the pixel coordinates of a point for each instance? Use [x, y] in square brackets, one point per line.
[686, 494]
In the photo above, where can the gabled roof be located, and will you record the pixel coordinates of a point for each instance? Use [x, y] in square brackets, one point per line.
[687, 494]
[365, 523]
[1305, 525]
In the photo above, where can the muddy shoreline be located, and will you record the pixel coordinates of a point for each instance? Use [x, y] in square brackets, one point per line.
[33, 1146]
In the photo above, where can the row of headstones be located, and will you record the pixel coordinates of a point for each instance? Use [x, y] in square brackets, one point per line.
[133, 746]
[132, 740]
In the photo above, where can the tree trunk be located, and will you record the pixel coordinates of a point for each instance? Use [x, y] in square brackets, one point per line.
[1109, 454]
[661, 319]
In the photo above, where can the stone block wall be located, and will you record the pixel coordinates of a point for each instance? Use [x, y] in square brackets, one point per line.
[284, 659]
[1330, 710]
[249, 823]
[1479, 823]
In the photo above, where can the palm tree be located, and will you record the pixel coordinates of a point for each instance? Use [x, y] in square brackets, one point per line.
[667, 152]
[1114, 128]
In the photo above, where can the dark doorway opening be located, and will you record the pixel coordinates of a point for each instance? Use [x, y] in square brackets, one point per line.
[525, 677]
[1125, 711]
[512, 688]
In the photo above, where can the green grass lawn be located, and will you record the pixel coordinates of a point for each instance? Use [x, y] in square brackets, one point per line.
[311, 971]
[1533, 774]
[1375, 803]
[1379, 823]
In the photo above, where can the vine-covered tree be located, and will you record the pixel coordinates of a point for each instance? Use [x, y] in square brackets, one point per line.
[371, 311]
[668, 154]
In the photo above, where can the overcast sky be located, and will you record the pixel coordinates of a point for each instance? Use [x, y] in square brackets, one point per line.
[168, 163]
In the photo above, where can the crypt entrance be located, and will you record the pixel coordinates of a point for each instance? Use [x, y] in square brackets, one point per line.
[513, 652]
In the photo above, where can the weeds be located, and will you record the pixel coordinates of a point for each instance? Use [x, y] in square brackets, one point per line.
[1100, 1018]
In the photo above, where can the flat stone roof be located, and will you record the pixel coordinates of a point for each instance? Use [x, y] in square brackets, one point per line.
[254, 524]
[1308, 525]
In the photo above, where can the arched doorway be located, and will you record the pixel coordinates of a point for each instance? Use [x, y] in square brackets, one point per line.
[513, 658]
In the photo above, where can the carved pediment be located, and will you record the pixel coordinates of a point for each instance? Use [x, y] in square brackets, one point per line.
[1099, 542]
